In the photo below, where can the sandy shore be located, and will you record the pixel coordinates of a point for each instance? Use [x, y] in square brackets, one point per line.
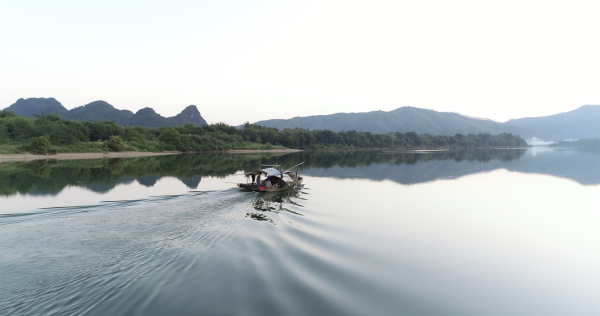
[123, 154]
[73, 156]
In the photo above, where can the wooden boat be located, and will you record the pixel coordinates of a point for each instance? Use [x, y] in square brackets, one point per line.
[271, 178]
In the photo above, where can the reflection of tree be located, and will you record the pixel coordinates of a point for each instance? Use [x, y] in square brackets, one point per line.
[102, 175]
[328, 159]
[408, 168]
[50, 177]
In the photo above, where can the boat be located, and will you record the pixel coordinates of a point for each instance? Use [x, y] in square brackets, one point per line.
[271, 178]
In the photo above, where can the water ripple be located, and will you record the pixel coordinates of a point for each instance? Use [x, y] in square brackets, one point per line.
[73, 260]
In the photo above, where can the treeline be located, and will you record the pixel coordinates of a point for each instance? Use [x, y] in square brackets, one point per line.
[587, 143]
[304, 139]
[50, 133]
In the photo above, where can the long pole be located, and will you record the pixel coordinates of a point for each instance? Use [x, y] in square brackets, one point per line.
[294, 166]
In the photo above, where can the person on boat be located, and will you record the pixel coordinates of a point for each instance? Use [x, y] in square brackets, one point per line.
[268, 182]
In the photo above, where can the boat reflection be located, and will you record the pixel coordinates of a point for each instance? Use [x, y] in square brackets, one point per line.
[268, 203]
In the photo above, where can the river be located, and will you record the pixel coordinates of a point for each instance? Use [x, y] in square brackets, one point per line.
[486, 232]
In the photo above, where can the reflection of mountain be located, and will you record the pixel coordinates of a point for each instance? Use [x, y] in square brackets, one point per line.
[422, 167]
[148, 181]
[191, 182]
[103, 175]
[578, 166]
[50, 177]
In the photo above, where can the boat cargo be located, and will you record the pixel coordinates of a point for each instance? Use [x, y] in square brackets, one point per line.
[270, 178]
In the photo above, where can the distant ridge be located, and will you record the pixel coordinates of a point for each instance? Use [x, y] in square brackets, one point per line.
[473, 117]
[103, 111]
[408, 119]
[583, 122]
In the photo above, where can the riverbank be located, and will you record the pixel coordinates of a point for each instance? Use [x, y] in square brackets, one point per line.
[75, 156]
[125, 154]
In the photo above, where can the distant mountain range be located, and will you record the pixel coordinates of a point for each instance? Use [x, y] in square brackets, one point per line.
[577, 124]
[103, 111]
[580, 123]
[583, 122]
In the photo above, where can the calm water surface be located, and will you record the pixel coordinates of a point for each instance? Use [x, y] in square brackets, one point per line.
[504, 232]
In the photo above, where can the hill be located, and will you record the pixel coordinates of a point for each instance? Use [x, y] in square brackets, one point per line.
[32, 106]
[103, 111]
[580, 123]
[407, 119]
[98, 111]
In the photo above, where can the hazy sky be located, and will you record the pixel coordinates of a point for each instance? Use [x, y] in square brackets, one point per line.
[251, 60]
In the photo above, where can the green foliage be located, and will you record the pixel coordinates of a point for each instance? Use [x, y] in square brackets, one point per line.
[81, 147]
[103, 130]
[135, 134]
[8, 149]
[3, 134]
[39, 145]
[7, 113]
[304, 139]
[169, 135]
[70, 136]
[115, 143]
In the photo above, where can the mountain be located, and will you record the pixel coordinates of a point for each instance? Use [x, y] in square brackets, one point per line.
[583, 122]
[99, 111]
[103, 111]
[149, 118]
[30, 107]
[407, 119]
[189, 115]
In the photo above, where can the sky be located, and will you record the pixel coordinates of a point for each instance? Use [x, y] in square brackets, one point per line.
[244, 61]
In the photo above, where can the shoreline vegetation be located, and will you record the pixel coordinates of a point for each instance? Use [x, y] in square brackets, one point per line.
[50, 137]
[586, 143]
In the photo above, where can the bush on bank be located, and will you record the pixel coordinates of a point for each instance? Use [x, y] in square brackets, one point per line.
[39, 145]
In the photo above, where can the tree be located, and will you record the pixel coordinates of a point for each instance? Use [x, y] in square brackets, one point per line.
[39, 145]
[115, 143]
[102, 130]
[7, 113]
[170, 136]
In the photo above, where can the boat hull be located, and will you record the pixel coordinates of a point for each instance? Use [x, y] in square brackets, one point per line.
[253, 187]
